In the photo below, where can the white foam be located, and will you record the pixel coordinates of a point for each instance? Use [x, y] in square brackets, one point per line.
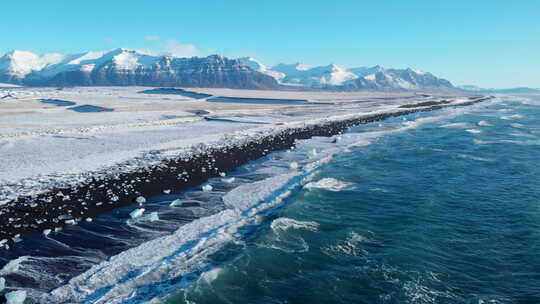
[473, 131]
[480, 142]
[484, 123]
[176, 203]
[330, 184]
[116, 280]
[351, 246]
[13, 265]
[512, 117]
[475, 157]
[284, 223]
[456, 125]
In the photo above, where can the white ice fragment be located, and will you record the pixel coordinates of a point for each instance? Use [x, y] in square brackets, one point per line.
[47, 232]
[229, 180]
[167, 191]
[207, 188]
[293, 165]
[2, 284]
[70, 222]
[152, 217]
[16, 297]
[222, 174]
[175, 203]
[136, 213]
[65, 217]
[140, 200]
[89, 219]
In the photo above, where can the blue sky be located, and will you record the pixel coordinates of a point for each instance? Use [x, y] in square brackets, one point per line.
[488, 43]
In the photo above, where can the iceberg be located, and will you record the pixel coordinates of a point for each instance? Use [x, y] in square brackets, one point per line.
[136, 213]
[16, 297]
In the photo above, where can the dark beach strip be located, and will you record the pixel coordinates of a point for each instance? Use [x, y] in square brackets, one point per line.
[95, 196]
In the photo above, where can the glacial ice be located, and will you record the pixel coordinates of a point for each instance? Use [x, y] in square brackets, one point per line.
[136, 213]
[16, 297]
[229, 180]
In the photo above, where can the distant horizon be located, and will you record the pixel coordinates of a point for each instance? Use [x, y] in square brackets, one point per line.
[490, 44]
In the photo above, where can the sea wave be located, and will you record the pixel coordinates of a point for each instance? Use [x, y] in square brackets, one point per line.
[330, 184]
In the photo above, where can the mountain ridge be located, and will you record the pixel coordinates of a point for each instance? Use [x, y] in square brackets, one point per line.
[124, 67]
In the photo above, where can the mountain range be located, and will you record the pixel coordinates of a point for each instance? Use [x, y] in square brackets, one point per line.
[124, 67]
[520, 90]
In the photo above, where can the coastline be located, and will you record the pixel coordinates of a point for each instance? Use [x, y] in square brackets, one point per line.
[102, 193]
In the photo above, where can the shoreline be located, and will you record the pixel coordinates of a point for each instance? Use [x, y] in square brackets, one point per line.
[61, 206]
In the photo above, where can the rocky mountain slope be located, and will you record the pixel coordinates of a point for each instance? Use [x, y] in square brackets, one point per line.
[123, 67]
[336, 77]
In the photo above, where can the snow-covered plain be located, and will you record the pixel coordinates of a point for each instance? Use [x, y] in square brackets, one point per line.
[42, 145]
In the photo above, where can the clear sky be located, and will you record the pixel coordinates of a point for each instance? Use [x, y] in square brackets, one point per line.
[491, 43]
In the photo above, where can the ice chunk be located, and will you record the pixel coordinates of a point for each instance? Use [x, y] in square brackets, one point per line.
[16, 297]
[175, 203]
[66, 216]
[207, 188]
[229, 180]
[167, 191]
[140, 200]
[47, 232]
[222, 174]
[136, 213]
[2, 284]
[152, 217]
[293, 165]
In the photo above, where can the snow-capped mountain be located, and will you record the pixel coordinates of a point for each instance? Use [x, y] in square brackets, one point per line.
[398, 79]
[121, 67]
[15, 65]
[518, 90]
[255, 65]
[336, 77]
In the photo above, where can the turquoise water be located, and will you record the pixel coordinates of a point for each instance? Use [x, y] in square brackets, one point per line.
[447, 211]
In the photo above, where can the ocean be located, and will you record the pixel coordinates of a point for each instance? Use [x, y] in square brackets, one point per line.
[436, 207]
[447, 211]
